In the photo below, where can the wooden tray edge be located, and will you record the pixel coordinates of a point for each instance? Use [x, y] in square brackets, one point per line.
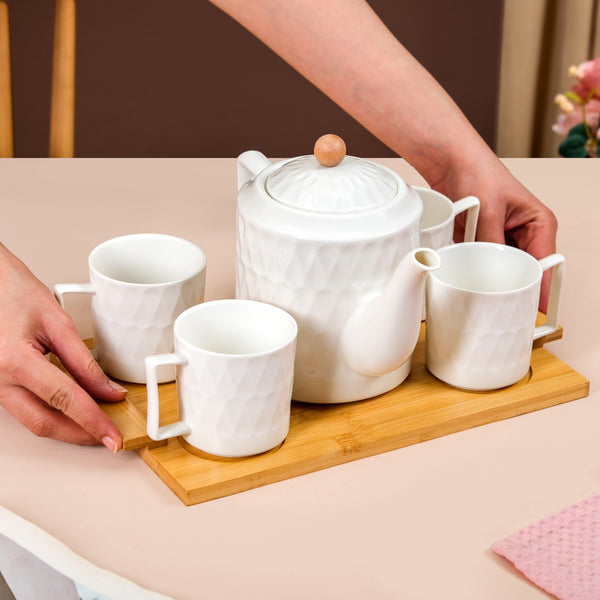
[578, 387]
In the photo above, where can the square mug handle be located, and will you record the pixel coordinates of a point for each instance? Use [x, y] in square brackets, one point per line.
[556, 262]
[153, 411]
[60, 289]
[471, 205]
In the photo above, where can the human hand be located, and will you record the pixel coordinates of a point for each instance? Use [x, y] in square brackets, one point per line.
[509, 213]
[37, 393]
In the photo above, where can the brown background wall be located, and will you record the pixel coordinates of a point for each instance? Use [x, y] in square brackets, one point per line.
[180, 78]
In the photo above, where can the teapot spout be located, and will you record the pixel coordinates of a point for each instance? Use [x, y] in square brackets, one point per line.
[381, 335]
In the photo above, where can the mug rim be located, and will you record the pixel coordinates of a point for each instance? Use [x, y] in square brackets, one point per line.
[204, 306]
[500, 247]
[436, 194]
[201, 254]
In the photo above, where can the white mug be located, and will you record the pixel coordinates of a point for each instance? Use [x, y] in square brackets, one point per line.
[139, 283]
[437, 221]
[235, 371]
[482, 305]
[439, 213]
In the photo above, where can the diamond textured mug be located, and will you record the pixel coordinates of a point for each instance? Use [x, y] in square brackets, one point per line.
[439, 213]
[139, 283]
[235, 371]
[482, 305]
[437, 222]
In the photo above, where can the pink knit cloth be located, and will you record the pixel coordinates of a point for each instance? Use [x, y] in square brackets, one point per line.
[560, 554]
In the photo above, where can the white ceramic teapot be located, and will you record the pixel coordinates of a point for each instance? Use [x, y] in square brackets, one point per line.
[337, 247]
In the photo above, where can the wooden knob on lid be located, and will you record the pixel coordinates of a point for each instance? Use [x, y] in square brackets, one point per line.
[330, 150]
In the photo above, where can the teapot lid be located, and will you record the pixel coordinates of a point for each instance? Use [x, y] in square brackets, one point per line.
[330, 181]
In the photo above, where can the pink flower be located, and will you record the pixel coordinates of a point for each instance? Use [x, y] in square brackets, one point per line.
[567, 120]
[581, 102]
[588, 75]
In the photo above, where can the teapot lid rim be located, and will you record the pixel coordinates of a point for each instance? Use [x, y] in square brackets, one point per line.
[354, 185]
[258, 209]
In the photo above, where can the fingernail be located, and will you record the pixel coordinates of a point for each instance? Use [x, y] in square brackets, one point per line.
[110, 444]
[115, 386]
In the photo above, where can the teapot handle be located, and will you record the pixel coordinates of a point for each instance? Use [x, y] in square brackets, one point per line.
[249, 165]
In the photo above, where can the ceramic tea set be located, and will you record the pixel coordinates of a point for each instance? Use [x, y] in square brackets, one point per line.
[333, 257]
[345, 245]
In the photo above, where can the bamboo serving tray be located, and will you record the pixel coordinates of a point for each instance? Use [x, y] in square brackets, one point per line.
[322, 436]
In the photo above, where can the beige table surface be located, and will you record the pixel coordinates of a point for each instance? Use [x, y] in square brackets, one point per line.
[416, 523]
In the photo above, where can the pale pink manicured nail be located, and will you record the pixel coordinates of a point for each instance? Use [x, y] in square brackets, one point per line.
[115, 386]
[110, 444]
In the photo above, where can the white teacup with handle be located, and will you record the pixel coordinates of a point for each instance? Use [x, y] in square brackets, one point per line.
[235, 371]
[482, 306]
[439, 215]
[139, 284]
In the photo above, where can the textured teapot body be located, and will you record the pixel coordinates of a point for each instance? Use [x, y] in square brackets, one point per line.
[323, 268]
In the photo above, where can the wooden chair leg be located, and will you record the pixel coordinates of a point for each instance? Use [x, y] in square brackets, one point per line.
[62, 110]
[6, 110]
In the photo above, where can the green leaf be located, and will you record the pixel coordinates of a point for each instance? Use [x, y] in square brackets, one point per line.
[573, 97]
[590, 95]
[578, 129]
[573, 146]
